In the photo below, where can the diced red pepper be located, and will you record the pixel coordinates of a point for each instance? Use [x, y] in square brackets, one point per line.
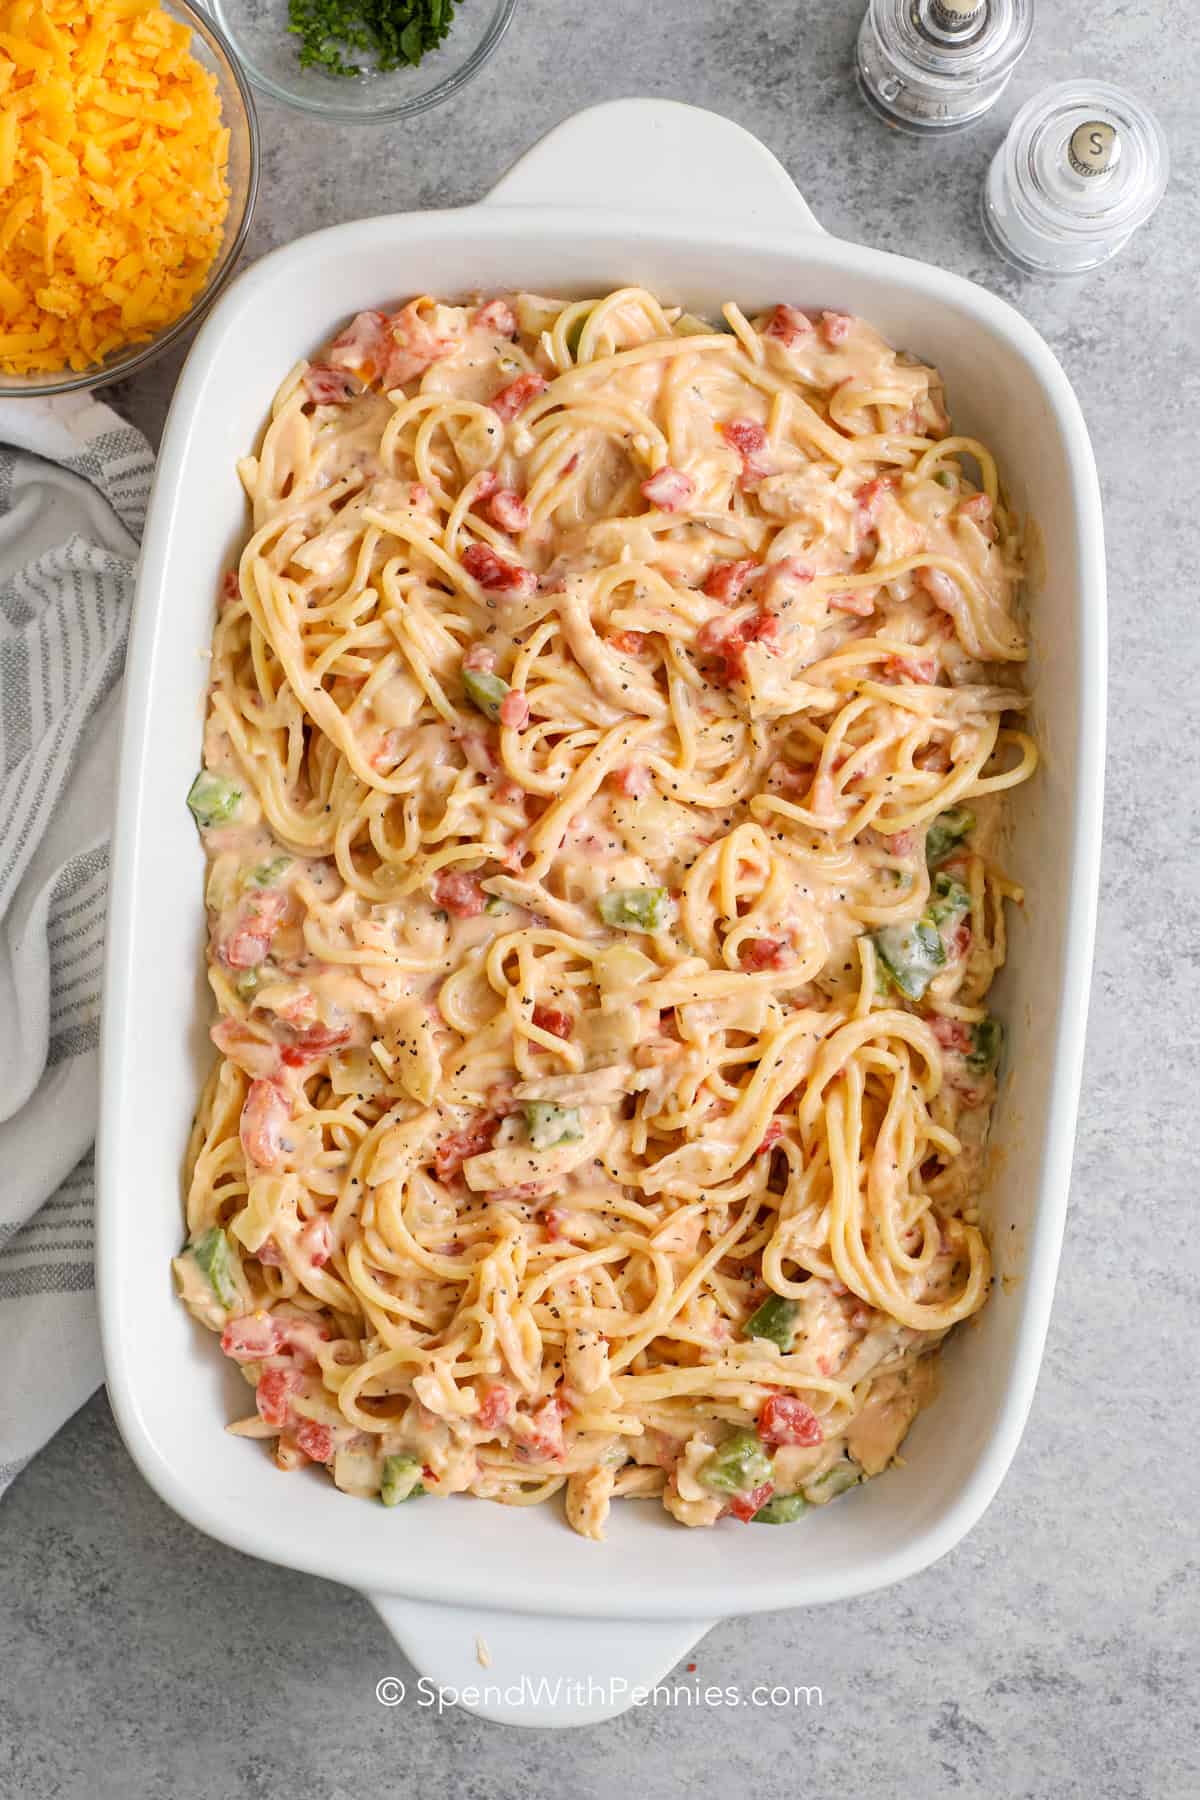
[549, 1018]
[497, 316]
[514, 398]
[231, 587]
[497, 574]
[271, 1396]
[546, 1442]
[763, 953]
[749, 439]
[951, 1034]
[923, 668]
[835, 327]
[316, 1441]
[479, 657]
[726, 581]
[978, 508]
[458, 893]
[789, 325]
[784, 1419]
[390, 350]
[251, 1337]
[362, 346]
[744, 1506]
[729, 642]
[870, 496]
[514, 710]
[328, 387]
[669, 489]
[455, 1150]
[629, 643]
[763, 628]
[266, 1114]
[249, 943]
[313, 1044]
[495, 1406]
[316, 1241]
[508, 510]
[414, 346]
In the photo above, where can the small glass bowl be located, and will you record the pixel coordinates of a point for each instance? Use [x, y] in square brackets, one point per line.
[237, 112]
[270, 54]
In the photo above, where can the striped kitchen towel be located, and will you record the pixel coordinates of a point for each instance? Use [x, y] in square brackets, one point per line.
[74, 480]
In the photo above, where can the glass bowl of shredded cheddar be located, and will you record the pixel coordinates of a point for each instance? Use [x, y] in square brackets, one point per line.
[128, 171]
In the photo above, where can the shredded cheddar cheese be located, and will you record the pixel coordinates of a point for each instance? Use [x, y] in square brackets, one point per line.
[113, 189]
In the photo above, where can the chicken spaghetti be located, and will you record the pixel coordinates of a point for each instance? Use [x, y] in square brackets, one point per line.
[606, 719]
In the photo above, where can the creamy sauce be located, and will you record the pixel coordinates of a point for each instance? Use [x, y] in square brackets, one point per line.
[586, 710]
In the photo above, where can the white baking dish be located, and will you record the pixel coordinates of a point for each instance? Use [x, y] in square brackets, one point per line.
[696, 209]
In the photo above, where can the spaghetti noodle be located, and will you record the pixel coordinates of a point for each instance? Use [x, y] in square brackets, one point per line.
[606, 720]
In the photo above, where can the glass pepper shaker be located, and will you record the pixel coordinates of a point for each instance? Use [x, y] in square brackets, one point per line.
[936, 65]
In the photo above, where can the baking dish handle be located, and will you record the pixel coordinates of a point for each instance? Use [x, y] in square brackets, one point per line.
[528, 1668]
[657, 157]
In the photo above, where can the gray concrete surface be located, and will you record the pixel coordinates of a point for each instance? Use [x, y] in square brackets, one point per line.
[1053, 1653]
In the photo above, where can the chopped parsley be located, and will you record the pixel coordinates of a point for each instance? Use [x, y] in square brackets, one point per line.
[394, 34]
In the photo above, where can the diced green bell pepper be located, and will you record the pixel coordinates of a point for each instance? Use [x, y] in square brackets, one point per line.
[781, 1509]
[549, 1124]
[401, 1480]
[911, 954]
[213, 799]
[247, 983]
[834, 1481]
[949, 901]
[635, 909]
[946, 835]
[211, 1252]
[987, 1041]
[268, 873]
[484, 690]
[775, 1320]
[737, 1466]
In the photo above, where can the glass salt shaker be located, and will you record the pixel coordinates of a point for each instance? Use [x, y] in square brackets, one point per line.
[1083, 165]
[927, 66]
